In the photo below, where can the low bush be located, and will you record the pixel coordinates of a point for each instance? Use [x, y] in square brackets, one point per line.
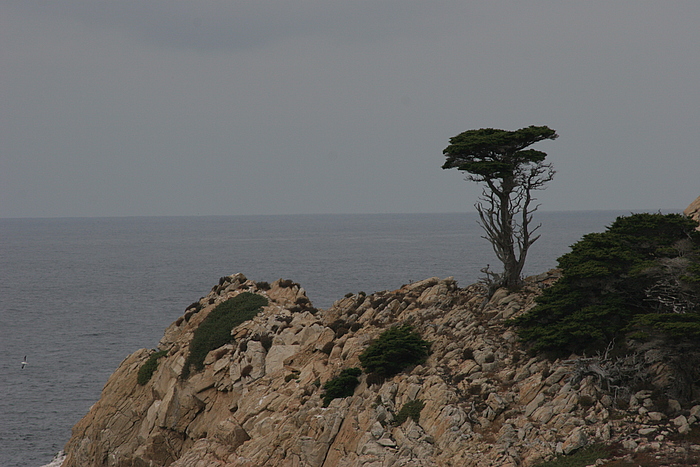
[147, 369]
[215, 330]
[375, 379]
[394, 350]
[410, 409]
[341, 386]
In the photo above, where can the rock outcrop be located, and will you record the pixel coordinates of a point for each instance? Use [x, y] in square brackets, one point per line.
[487, 402]
[693, 210]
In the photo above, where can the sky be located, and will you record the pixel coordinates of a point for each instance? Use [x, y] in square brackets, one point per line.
[213, 107]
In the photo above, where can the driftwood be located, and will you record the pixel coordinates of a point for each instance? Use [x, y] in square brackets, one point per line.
[616, 375]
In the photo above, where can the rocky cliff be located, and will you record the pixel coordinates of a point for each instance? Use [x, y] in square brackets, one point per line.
[693, 210]
[486, 401]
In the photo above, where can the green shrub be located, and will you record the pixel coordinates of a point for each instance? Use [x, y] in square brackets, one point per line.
[147, 369]
[341, 386]
[640, 273]
[394, 350]
[375, 379]
[215, 330]
[676, 325]
[410, 409]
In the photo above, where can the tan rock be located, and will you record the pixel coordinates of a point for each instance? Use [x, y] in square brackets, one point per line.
[576, 440]
[535, 404]
[693, 210]
[274, 360]
[530, 388]
[251, 407]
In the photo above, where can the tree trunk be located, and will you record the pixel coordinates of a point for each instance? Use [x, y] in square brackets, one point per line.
[511, 269]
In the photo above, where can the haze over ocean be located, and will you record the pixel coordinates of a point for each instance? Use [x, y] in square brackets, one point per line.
[77, 295]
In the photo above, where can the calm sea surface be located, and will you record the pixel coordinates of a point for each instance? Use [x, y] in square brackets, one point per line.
[79, 295]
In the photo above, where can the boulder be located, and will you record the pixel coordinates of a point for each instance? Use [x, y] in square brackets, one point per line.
[576, 440]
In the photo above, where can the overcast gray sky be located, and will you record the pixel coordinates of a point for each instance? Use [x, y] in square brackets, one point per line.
[174, 107]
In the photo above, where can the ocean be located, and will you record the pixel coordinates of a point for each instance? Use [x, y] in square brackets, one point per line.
[77, 295]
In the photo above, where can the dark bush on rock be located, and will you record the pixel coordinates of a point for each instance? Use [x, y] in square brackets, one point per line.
[215, 330]
[375, 379]
[147, 369]
[394, 350]
[341, 386]
[410, 409]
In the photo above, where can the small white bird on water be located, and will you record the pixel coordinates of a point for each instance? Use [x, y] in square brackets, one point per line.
[24, 362]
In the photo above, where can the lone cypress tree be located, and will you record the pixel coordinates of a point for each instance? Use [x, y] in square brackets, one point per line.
[510, 172]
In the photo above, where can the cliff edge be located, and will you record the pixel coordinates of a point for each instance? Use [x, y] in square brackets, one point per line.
[479, 400]
[693, 210]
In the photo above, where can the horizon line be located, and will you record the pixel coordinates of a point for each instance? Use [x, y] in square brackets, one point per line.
[631, 211]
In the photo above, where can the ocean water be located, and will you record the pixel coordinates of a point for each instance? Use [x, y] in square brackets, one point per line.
[78, 295]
